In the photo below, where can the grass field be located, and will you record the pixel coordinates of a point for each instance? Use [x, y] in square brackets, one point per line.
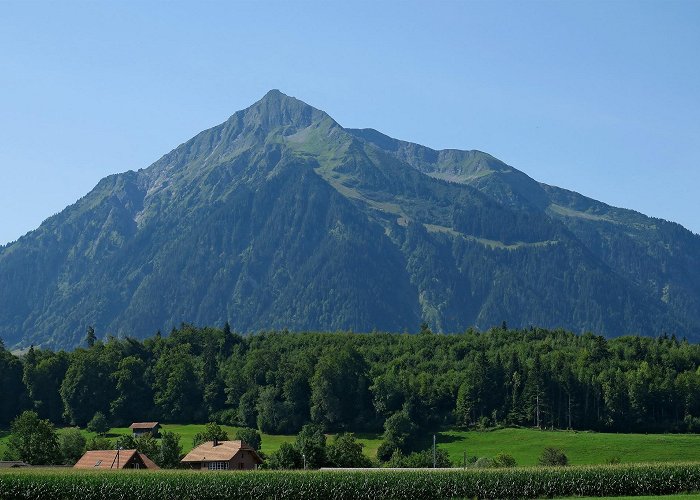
[582, 448]
[525, 445]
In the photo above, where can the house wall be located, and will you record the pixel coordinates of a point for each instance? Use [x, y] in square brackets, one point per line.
[140, 432]
[243, 460]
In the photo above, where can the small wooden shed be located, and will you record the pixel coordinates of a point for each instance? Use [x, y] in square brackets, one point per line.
[223, 455]
[114, 459]
[141, 428]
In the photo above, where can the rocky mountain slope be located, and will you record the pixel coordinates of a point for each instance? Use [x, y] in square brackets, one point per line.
[281, 218]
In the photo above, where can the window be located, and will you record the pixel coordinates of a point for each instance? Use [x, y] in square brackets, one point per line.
[217, 465]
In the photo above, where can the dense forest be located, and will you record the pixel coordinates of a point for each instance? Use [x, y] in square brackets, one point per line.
[279, 381]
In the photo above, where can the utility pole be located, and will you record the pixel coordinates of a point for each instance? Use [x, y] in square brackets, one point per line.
[304, 457]
[537, 409]
[434, 461]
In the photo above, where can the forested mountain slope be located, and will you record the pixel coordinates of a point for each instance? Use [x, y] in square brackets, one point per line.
[281, 218]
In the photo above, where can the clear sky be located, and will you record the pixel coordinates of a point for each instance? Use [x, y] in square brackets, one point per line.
[599, 97]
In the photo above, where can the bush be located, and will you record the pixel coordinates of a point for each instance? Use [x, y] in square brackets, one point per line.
[311, 443]
[286, 457]
[420, 459]
[98, 424]
[170, 450]
[249, 436]
[211, 432]
[72, 445]
[504, 460]
[484, 463]
[98, 443]
[345, 451]
[125, 442]
[386, 450]
[553, 457]
[483, 424]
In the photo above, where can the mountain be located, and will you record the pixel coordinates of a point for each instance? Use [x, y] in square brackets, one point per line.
[281, 218]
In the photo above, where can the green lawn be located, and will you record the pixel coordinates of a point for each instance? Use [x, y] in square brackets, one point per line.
[524, 444]
[581, 447]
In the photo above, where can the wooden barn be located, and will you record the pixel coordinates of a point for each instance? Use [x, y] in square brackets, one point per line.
[114, 459]
[222, 455]
[141, 428]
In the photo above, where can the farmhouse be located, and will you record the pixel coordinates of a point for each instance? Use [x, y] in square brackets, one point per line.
[114, 459]
[222, 455]
[141, 428]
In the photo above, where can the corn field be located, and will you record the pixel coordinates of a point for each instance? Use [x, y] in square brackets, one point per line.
[609, 480]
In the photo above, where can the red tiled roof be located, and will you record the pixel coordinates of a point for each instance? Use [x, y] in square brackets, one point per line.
[104, 459]
[148, 462]
[107, 459]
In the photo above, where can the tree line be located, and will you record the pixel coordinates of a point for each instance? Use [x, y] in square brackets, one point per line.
[400, 384]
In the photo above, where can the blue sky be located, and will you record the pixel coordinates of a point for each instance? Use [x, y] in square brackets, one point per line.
[599, 97]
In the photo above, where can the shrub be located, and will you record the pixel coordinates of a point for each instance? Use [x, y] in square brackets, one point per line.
[484, 463]
[98, 424]
[311, 443]
[420, 459]
[170, 450]
[345, 451]
[72, 445]
[98, 443]
[286, 457]
[249, 436]
[125, 442]
[504, 460]
[483, 423]
[553, 456]
[211, 432]
[386, 450]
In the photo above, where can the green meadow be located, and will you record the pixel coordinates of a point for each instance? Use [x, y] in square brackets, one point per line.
[582, 448]
[525, 445]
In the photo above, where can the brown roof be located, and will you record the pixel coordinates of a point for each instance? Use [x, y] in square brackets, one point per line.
[107, 459]
[224, 450]
[148, 462]
[143, 425]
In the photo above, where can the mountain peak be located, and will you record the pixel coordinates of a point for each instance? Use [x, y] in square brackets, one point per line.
[277, 109]
[275, 94]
